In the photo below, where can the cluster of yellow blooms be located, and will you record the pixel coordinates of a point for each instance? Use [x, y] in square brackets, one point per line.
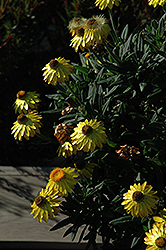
[139, 201]
[86, 136]
[156, 237]
[103, 4]
[28, 121]
[86, 32]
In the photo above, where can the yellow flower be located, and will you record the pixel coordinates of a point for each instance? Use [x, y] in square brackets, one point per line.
[161, 218]
[57, 70]
[75, 23]
[26, 125]
[63, 180]
[140, 200]
[156, 2]
[26, 100]
[66, 149]
[85, 170]
[156, 237]
[96, 29]
[79, 40]
[89, 134]
[107, 3]
[46, 205]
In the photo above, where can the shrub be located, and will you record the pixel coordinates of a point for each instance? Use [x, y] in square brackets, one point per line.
[111, 134]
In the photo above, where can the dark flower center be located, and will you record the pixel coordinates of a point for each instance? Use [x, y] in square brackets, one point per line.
[54, 64]
[137, 196]
[80, 32]
[39, 201]
[160, 242]
[21, 119]
[87, 130]
[21, 94]
[91, 22]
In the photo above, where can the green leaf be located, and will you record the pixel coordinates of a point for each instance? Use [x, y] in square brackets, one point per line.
[105, 106]
[82, 69]
[82, 234]
[136, 239]
[125, 32]
[112, 90]
[120, 220]
[62, 223]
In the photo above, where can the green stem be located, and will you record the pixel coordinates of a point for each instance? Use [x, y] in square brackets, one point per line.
[114, 32]
[112, 21]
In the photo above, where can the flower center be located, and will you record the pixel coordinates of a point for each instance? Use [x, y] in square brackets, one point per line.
[80, 32]
[87, 130]
[21, 119]
[57, 174]
[138, 196]
[92, 23]
[160, 242]
[54, 64]
[21, 94]
[39, 201]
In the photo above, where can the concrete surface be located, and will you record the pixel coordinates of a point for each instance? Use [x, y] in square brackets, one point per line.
[18, 230]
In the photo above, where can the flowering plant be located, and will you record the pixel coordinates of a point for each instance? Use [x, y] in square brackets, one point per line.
[110, 133]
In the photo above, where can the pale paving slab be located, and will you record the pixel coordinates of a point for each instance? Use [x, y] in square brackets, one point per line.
[18, 186]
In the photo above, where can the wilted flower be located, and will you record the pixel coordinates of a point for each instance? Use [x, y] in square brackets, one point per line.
[75, 23]
[63, 180]
[62, 132]
[127, 152]
[140, 200]
[96, 29]
[68, 110]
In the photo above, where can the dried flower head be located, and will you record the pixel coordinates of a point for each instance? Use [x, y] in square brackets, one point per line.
[69, 110]
[62, 132]
[126, 152]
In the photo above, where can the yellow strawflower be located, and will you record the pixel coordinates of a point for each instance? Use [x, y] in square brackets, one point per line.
[57, 70]
[156, 2]
[63, 180]
[27, 125]
[46, 205]
[140, 200]
[26, 100]
[107, 3]
[88, 135]
[156, 237]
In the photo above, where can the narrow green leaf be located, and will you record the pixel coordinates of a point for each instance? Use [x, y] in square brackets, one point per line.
[120, 220]
[82, 69]
[62, 223]
[125, 32]
[135, 240]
